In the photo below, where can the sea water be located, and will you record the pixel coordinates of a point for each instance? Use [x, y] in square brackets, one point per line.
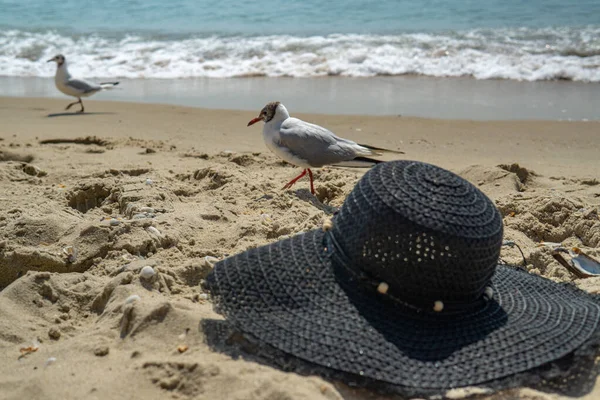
[486, 39]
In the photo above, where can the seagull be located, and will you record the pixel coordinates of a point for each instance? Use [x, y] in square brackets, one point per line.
[311, 146]
[75, 87]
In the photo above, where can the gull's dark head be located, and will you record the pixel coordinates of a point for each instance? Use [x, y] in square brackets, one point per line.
[59, 59]
[267, 113]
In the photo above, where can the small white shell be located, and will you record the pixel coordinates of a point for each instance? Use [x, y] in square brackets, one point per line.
[265, 219]
[149, 181]
[149, 210]
[209, 261]
[114, 222]
[203, 296]
[383, 288]
[71, 253]
[438, 306]
[132, 298]
[154, 231]
[50, 361]
[147, 272]
[552, 245]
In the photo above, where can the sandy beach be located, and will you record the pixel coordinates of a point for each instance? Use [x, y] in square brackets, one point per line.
[88, 200]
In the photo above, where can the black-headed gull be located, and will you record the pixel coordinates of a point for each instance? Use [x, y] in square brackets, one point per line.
[75, 87]
[310, 146]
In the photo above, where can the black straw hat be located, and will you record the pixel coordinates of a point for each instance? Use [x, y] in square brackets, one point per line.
[404, 288]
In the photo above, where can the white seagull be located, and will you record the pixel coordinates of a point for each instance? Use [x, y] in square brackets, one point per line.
[75, 87]
[307, 145]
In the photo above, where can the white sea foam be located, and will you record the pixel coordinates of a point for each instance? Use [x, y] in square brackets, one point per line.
[520, 54]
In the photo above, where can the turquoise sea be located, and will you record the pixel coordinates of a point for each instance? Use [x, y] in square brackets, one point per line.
[487, 39]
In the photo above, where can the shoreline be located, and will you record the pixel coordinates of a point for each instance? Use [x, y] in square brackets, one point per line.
[414, 96]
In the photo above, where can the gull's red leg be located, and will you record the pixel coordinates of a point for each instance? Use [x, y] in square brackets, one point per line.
[291, 183]
[310, 175]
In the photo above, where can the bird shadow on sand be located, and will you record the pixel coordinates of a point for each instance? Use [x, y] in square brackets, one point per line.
[73, 114]
[306, 195]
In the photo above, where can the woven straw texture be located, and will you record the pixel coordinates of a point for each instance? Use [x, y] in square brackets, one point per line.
[431, 237]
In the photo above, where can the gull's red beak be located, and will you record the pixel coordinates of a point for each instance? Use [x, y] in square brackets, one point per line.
[254, 120]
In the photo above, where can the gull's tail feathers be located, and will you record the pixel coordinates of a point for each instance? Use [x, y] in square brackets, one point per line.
[379, 151]
[108, 85]
[359, 162]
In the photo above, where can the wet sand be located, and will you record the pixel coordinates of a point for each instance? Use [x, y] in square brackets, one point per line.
[415, 96]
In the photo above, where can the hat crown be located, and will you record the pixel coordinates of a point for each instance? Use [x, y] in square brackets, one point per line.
[429, 234]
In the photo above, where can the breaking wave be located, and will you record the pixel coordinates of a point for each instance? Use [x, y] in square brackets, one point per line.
[513, 53]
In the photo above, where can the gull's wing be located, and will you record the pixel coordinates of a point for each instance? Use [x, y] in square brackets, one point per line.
[317, 145]
[83, 86]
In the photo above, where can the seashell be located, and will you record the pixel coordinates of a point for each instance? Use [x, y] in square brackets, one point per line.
[71, 253]
[203, 296]
[142, 216]
[154, 231]
[209, 261]
[114, 222]
[149, 181]
[132, 298]
[50, 361]
[552, 245]
[147, 272]
[265, 219]
[148, 210]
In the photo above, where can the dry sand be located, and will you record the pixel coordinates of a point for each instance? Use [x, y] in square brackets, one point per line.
[130, 185]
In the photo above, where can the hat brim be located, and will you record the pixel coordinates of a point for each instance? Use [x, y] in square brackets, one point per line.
[290, 296]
